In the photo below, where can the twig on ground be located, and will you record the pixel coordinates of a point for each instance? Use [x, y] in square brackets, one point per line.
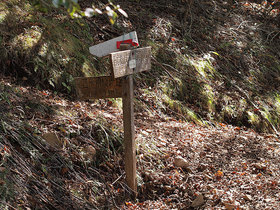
[164, 64]
[270, 34]
[117, 179]
[160, 65]
[106, 185]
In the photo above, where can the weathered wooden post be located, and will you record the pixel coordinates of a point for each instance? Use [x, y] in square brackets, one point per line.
[129, 129]
[120, 84]
[129, 133]
[125, 64]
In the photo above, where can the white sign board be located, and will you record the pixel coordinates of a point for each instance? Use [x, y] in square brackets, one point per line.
[110, 46]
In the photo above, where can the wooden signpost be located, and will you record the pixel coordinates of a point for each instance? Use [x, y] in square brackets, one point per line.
[120, 84]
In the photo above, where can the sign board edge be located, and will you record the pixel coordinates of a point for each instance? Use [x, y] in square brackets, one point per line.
[114, 45]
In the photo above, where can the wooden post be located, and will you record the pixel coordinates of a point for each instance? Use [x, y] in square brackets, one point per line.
[129, 131]
[129, 134]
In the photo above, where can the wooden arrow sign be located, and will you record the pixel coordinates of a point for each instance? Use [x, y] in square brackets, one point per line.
[130, 61]
[98, 87]
[110, 46]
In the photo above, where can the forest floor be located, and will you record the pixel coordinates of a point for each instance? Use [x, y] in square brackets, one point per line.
[206, 115]
[180, 165]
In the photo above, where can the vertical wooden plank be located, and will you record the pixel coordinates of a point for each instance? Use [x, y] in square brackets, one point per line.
[129, 134]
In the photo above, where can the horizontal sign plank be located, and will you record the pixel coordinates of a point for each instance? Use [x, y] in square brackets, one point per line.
[98, 87]
[110, 46]
[130, 61]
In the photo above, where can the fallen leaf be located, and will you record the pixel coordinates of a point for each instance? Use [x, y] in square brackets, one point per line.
[229, 206]
[219, 174]
[259, 175]
[128, 204]
[222, 124]
[198, 201]
[89, 152]
[182, 163]
[53, 140]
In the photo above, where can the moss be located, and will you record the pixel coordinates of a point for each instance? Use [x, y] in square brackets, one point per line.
[209, 96]
[53, 49]
[181, 109]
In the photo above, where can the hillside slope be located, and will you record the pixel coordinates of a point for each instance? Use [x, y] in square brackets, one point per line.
[180, 165]
[212, 61]
[213, 88]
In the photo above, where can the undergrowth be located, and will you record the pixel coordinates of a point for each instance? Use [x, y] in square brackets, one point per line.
[212, 62]
[35, 174]
[217, 66]
[44, 49]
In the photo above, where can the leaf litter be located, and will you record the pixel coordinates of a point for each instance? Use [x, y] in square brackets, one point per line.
[180, 165]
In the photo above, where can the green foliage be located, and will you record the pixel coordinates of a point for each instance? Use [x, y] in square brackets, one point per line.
[74, 10]
[71, 6]
[54, 50]
[110, 141]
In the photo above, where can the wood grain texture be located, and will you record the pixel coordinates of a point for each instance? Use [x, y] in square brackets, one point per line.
[120, 61]
[129, 134]
[98, 87]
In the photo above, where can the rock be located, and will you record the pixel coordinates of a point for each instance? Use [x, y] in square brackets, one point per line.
[89, 152]
[198, 201]
[181, 162]
[53, 140]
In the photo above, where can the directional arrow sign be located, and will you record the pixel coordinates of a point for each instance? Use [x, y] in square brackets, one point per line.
[110, 46]
[130, 61]
[98, 87]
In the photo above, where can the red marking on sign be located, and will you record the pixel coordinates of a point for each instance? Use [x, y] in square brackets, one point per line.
[129, 41]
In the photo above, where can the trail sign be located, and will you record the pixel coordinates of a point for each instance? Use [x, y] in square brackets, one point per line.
[98, 87]
[130, 61]
[110, 46]
[119, 84]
